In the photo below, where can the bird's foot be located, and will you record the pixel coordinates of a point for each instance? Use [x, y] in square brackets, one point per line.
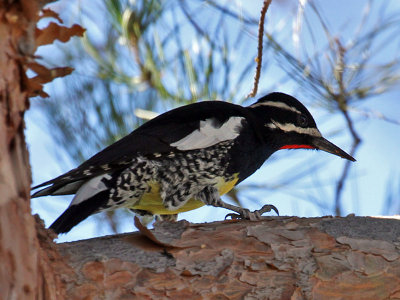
[252, 216]
[168, 218]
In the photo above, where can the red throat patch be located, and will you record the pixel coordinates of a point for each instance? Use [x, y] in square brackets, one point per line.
[296, 147]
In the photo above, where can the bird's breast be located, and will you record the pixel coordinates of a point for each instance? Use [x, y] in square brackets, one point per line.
[247, 156]
[152, 201]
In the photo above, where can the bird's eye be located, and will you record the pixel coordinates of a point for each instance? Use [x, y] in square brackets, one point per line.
[302, 120]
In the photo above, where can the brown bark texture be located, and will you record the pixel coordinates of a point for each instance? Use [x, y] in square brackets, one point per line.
[19, 250]
[276, 258]
[26, 255]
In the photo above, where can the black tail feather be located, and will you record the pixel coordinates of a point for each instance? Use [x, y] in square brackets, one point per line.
[61, 188]
[77, 213]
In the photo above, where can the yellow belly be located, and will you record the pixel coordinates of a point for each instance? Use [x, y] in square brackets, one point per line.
[152, 201]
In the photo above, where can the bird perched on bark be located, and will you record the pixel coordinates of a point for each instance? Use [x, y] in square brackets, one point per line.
[186, 158]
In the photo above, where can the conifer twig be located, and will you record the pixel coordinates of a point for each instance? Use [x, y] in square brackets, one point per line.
[259, 48]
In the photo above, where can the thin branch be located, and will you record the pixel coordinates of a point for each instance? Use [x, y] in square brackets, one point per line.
[342, 100]
[375, 114]
[259, 48]
[343, 177]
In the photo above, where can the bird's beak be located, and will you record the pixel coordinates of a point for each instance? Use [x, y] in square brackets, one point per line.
[325, 145]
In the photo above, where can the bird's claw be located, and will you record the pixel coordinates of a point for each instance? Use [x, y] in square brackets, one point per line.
[253, 216]
[233, 216]
[268, 208]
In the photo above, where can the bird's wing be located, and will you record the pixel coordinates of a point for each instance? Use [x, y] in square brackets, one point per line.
[186, 128]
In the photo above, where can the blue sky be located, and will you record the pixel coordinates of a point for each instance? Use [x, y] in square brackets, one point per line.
[365, 192]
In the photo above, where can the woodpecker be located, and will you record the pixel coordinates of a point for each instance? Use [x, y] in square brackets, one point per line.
[186, 158]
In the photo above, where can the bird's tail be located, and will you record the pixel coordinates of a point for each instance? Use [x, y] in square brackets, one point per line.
[76, 213]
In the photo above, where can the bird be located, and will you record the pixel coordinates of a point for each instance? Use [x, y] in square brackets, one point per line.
[186, 158]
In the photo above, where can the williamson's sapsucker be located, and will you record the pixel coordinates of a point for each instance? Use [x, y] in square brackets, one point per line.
[186, 158]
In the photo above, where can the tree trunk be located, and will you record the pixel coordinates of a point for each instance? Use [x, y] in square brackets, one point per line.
[25, 265]
[19, 251]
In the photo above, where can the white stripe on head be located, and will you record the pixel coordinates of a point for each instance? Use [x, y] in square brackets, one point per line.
[208, 134]
[289, 127]
[278, 105]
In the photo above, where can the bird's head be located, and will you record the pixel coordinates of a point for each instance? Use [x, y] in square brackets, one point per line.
[289, 125]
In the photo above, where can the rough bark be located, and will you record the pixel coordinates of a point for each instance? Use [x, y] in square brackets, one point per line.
[19, 248]
[277, 258]
[27, 256]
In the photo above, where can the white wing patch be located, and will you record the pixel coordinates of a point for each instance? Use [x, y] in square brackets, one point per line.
[291, 127]
[208, 134]
[89, 189]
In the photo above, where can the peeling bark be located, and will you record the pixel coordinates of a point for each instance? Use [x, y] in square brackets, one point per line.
[27, 254]
[277, 258]
[19, 248]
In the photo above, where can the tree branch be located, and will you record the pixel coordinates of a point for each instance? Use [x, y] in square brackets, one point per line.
[278, 258]
[259, 48]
